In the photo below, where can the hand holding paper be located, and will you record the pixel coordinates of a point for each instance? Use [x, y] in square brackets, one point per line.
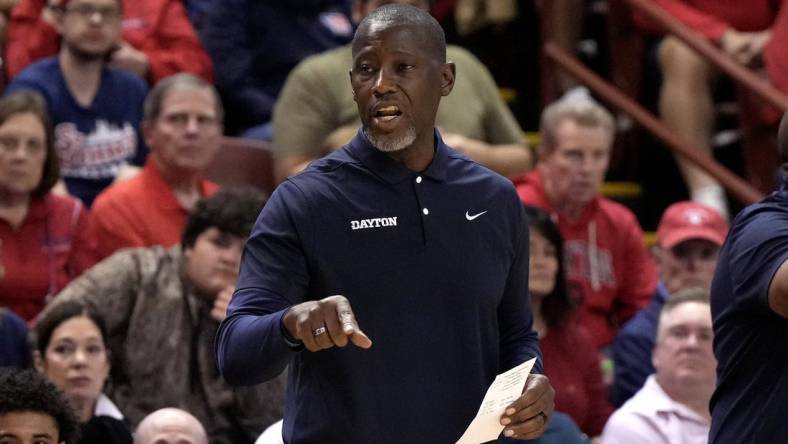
[515, 401]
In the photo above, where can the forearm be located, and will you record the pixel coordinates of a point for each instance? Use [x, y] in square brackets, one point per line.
[508, 160]
[250, 346]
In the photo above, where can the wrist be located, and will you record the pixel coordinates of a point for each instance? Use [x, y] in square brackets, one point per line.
[289, 338]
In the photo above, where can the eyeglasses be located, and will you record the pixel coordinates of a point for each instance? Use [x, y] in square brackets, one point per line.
[87, 11]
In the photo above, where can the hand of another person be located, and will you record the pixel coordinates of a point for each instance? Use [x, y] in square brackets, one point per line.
[745, 47]
[456, 141]
[528, 415]
[128, 58]
[7, 5]
[324, 324]
[340, 137]
[219, 310]
[757, 44]
[60, 188]
[126, 172]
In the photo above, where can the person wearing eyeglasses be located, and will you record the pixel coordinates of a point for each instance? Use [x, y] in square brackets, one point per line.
[182, 127]
[96, 109]
[157, 38]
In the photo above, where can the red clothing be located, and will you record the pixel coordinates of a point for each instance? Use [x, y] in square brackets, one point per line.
[50, 248]
[140, 212]
[159, 28]
[607, 261]
[713, 17]
[572, 364]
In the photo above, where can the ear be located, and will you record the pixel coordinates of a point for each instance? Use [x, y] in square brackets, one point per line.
[38, 362]
[657, 255]
[448, 75]
[350, 75]
[109, 364]
[543, 153]
[55, 17]
[146, 127]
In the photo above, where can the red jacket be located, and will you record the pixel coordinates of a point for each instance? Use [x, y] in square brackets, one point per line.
[159, 28]
[713, 17]
[39, 258]
[572, 364]
[607, 261]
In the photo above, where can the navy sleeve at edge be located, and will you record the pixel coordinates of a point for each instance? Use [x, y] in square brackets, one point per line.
[250, 347]
[519, 341]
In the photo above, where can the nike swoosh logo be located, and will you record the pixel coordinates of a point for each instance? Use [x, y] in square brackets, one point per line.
[469, 217]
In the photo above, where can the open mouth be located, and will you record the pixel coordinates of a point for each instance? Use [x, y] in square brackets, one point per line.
[387, 113]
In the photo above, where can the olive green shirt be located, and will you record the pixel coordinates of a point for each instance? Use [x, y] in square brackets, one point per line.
[317, 99]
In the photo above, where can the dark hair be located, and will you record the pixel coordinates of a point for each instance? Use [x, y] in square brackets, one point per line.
[61, 312]
[151, 109]
[28, 391]
[556, 306]
[231, 210]
[393, 15]
[27, 101]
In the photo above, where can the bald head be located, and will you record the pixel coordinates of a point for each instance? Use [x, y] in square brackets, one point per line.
[170, 426]
[403, 15]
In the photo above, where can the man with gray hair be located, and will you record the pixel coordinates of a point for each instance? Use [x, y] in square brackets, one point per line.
[608, 263]
[182, 128]
[170, 426]
[673, 405]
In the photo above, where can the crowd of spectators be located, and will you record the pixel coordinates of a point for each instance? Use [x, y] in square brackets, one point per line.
[118, 257]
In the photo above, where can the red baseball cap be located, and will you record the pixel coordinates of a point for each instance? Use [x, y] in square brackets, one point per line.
[690, 220]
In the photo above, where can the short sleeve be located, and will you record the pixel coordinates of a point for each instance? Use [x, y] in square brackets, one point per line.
[755, 252]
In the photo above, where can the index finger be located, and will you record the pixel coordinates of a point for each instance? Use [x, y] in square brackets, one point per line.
[346, 317]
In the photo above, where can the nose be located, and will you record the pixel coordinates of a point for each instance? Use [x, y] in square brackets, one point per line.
[383, 83]
[96, 17]
[192, 125]
[80, 358]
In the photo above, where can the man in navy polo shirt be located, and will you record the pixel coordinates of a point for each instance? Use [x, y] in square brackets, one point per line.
[749, 303]
[429, 248]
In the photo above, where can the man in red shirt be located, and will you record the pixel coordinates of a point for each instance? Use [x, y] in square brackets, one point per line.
[608, 265]
[157, 39]
[182, 127]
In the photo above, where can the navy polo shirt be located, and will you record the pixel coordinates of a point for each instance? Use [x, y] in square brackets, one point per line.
[435, 265]
[751, 398]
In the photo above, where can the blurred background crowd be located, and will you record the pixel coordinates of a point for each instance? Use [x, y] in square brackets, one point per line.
[139, 140]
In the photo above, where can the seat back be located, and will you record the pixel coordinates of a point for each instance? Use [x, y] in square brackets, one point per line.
[243, 162]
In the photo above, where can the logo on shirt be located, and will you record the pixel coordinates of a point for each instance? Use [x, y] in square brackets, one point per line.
[98, 154]
[473, 216]
[376, 222]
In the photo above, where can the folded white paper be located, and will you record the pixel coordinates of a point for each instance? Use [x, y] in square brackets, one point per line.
[506, 388]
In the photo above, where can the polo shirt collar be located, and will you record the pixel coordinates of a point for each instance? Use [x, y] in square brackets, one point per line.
[659, 402]
[392, 171]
